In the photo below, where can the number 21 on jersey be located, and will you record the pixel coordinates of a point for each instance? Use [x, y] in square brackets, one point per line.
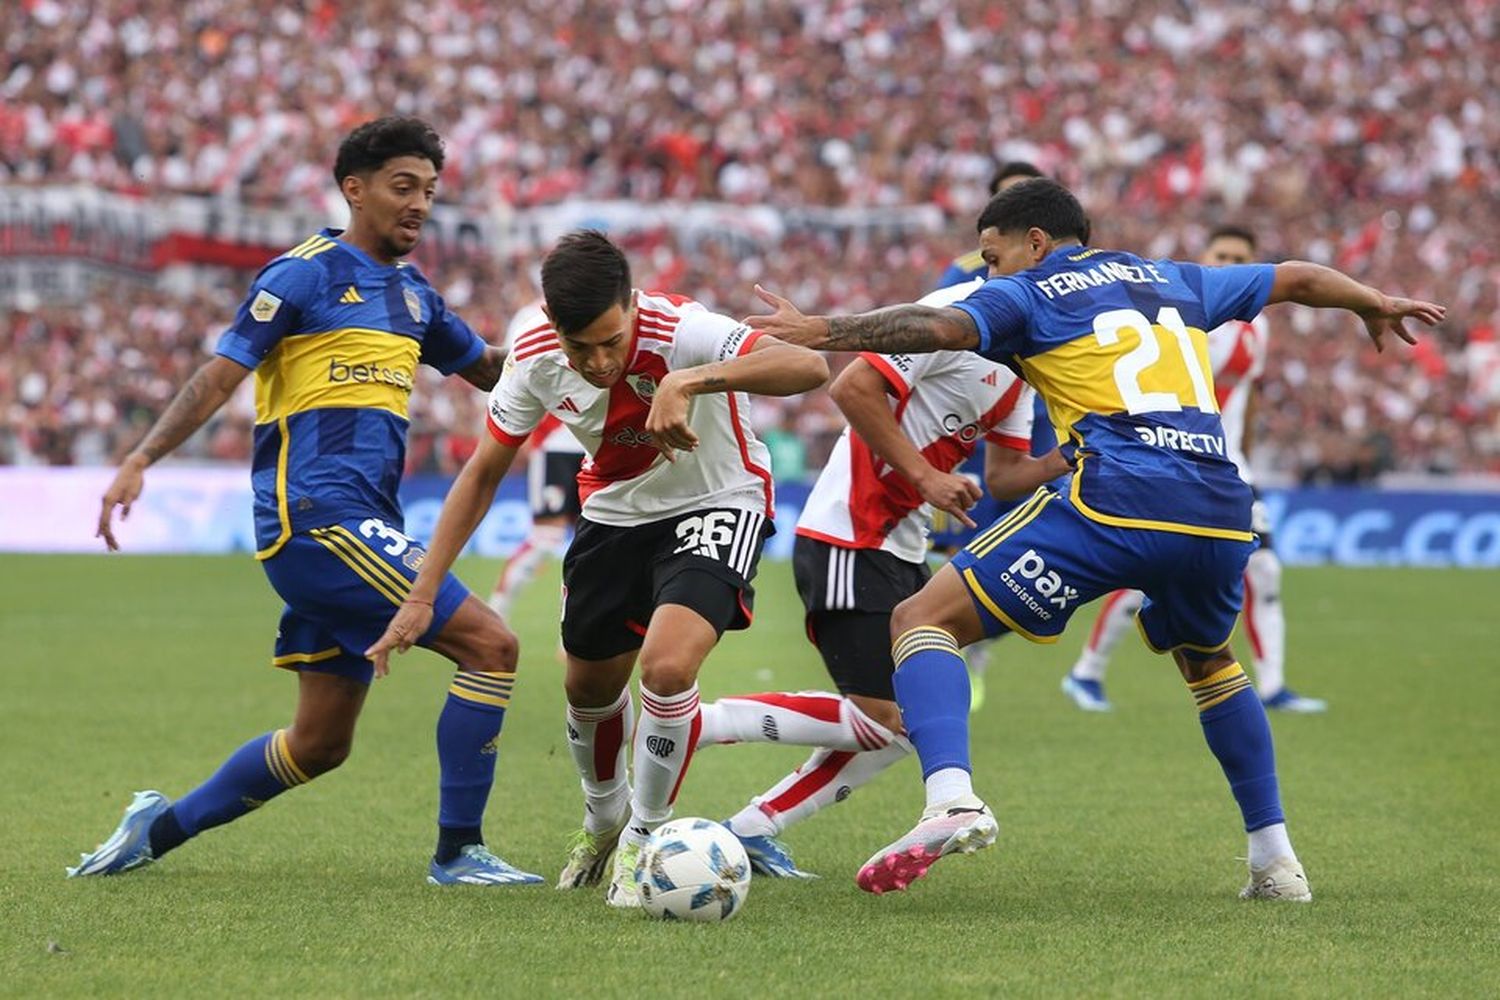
[1129, 366]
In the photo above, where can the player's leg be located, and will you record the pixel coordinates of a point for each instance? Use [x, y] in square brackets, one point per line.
[600, 721]
[607, 589]
[1026, 573]
[545, 538]
[855, 646]
[1265, 624]
[484, 652]
[1085, 682]
[1191, 611]
[318, 741]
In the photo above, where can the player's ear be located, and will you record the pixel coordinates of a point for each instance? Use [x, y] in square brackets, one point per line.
[1036, 243]
[353, 190]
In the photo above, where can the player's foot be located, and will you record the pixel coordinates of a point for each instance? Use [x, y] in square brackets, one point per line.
[1282, 879]
[622, 891]
[1087, 695]
[129, 847]
[475, 865]
[1287, 700]
[976, 691]
[588, 856]
[769, 856]
[960, 826]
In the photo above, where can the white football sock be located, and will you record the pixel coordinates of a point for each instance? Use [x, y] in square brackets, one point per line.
[1116, 617]
[1265, 621]
[946, 784]
[1269, 843]
[804, 718]
[596, 739]
[827, 777]
[664, 744]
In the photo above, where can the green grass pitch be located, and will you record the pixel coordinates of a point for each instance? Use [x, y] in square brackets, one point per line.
[1115, 874]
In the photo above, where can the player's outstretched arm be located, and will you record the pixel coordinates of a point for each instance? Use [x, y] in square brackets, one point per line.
[860, 394]
[207, 390]
[768, 368]
[465, 506]
[909, 329]
[485, 372]
[1311, 284]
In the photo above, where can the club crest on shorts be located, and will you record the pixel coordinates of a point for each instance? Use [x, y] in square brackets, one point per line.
[414, 558]
[413, 304]
[644, 385]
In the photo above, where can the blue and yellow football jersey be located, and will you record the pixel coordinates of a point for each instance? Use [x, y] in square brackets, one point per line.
[963, 268]
[335, 339]
[1116, 346]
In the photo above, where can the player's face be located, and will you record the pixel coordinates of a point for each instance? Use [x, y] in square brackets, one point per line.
[395, 202]
[1227, 250]
[1009, 253]
[600, 351]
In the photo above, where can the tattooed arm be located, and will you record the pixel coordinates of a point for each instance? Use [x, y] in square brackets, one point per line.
[207, 390]
[894, 330]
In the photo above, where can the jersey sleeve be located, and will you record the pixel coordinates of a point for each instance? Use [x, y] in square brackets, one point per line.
[1014, 429]
[903, 371]
[704, 337]
[999, 310]
[514, 410]
[1234, 291]
[282, 293]
[449, 344]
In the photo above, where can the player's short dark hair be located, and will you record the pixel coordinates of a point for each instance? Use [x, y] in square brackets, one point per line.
[1042, 203]
[367, 148]
[582, 277]
[1233, 231]
[1013, 168]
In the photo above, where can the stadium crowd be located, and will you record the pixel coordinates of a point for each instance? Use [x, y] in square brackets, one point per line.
[1363, 133]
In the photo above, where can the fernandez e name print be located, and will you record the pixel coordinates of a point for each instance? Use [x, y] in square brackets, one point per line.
[1107, 273]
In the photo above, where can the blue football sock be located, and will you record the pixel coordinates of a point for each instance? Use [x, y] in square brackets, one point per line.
[1235, 726]
[932, 688]
[253, 775]
[467, 731]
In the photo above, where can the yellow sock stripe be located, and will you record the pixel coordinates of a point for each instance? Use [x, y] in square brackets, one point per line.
[332, 545]
[499, 701]
[284, 754]
[502, 691]
[273, 766]
[1007, 520]
[1219, 686]
[923, 637]
[498, 681]
[377, 564]
[1030, 515]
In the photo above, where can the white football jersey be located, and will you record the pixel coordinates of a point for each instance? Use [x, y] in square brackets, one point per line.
[625, 480]
[944, 403]
[551, 436]
[1237, 354]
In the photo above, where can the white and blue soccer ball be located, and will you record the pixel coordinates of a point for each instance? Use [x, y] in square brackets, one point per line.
[693, 869]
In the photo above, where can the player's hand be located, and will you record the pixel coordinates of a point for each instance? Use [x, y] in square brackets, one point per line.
[667, 423]
[128, 483]
[1392, 315]
[411, 622]
[787, 323]
[952, 493]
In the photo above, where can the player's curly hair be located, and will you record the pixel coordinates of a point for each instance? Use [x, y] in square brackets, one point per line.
[1042, 203]
[369, 146]
[582, 277]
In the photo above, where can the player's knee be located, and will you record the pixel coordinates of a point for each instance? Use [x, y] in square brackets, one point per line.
[495, 649]
[907, 615]
[668, 673]
[591, 689]
[887, 713]
[1195, 668]
[318, 753]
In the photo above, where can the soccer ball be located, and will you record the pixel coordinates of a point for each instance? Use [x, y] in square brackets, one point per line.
[693, 869]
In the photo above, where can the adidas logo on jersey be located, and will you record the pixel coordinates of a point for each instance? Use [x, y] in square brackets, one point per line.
[660, 746]
[351, 297]
[993, 378]
[567, 405]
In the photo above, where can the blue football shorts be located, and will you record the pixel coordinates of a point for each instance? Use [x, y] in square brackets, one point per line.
[1029, 571]
[341, 584]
